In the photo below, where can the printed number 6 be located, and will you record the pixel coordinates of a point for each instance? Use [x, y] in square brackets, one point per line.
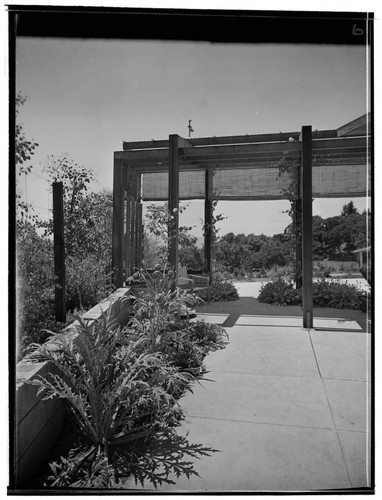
[357, 31]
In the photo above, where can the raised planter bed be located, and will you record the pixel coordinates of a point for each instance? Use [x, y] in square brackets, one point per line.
[39, 423]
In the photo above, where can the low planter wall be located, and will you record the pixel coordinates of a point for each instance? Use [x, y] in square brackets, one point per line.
[39, 423]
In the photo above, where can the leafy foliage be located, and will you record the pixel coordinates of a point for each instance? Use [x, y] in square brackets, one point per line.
[157, 320]
[335, 294]
[279, 292]
[166, 454]
[122, 386]
[325, 294]
[34, 286]
[116, 392]
[251, 252]
[24, 148]
[77, 208]
[88, 226]
[334, 238]
[158, 222]
[88, 277]
[88, 281]
[220, 290]
[87, 468]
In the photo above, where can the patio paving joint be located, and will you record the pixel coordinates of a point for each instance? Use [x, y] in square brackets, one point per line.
[263, 423]
[314, 353]
[331, 413]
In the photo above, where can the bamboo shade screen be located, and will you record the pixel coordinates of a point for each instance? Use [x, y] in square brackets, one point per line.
[333, 176]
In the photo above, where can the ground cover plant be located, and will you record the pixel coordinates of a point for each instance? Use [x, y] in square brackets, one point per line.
[122, 385]
[325, 294]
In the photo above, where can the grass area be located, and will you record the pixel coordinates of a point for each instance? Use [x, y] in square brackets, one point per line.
[249, 305]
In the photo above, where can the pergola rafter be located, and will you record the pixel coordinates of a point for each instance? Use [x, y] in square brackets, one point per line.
[234, 168]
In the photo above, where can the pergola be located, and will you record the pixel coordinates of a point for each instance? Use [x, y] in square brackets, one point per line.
[292, 165]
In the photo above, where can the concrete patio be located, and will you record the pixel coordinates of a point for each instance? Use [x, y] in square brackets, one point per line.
[288, 409]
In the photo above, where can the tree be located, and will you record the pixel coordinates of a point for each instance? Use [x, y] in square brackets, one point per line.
[24, 149]
[349, 209]
[88, 232]
[75, 179]
[157, 224]
[319, 237]
[153, 251]
[231, 251]
[190, 254]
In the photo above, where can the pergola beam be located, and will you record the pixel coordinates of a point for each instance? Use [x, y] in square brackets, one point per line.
[231, 139]
[212, 156]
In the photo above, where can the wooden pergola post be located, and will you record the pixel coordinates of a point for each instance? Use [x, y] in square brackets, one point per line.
[173, 202]
[118, 216]
[307, 255]
[139, 231]
[59, 250]
[139, 226]
[208, 221]
[298, 228]
[130, 218]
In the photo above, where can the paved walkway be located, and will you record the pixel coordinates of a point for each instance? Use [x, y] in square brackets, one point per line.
[287, 408]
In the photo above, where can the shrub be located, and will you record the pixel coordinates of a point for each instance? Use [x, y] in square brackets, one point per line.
[191, 342]
[279, 292]
[156, 322]
[280, 271]
[220, 291]
[325, 294]
[210, 336]
[322, 270]
[335, 294]
[34, 286]
[87, 281]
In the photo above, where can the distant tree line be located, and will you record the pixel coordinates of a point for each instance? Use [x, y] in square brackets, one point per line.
[334, 238]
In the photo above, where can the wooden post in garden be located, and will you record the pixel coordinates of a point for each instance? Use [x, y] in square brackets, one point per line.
[208, 222]
[59, 250]
[118, 216]
[307, 256]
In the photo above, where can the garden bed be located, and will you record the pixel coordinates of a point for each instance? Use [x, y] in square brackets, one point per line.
[122, 386]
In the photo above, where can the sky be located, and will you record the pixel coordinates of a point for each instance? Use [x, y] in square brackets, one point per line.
[87, 96]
